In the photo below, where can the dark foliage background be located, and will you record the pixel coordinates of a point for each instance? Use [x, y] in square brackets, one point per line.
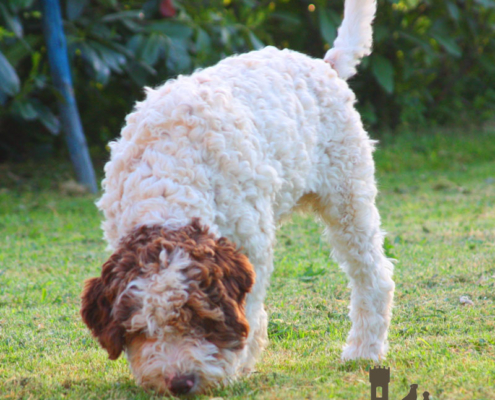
[433, 61]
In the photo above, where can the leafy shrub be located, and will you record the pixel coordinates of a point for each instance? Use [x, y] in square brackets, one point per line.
[115, 49]
[432, 63]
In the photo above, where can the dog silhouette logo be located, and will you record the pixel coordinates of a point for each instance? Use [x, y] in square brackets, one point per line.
[380, 379]
[413, 394]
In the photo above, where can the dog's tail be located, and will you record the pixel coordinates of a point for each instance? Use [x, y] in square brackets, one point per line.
[354, 38]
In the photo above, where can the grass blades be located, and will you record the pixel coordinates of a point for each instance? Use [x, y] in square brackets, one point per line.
[437, 201]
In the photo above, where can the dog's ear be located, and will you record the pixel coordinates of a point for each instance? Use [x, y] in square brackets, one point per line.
[99, 310]
[224, 276]
[235, 282]
[96, 312]
[238, 271]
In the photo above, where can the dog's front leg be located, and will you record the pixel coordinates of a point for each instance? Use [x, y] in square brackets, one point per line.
[256, 314]
[257, 339]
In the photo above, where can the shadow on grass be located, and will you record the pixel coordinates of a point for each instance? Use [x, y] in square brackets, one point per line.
[126, 388]
[32, 386]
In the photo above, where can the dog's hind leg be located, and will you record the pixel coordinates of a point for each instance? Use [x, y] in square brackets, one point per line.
[346, 204]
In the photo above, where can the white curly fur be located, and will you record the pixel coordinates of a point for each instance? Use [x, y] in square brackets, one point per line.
[355, 37]
[159, 297]
[242, 144]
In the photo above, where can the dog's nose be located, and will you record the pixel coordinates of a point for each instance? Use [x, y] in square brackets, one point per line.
[182, 384]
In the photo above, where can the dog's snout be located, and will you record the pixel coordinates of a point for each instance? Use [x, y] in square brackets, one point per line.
[182, 384]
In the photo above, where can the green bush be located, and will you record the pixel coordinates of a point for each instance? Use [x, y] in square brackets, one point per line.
[432, 63]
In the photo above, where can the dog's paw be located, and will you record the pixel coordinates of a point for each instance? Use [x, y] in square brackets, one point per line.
[375, 352]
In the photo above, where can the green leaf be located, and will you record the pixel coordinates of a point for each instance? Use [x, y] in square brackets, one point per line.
[453, 10]
[20, 49]
[154, 45]
[328, 29]
[3, 97]
[380, 34]
[40, 81]
[102, 31]
[46, 117]
[488, 63]
[133, 50]
[131, 25]
[13, 22]
[122, 50]
[150, 7]
[123, 15]
[172, 29]
[203, 41]
[419, 41]
[473, 25]
[287, 17]
[35, 63]
[486, 3]
[74, 8]
[18, 5]
[136, 44]
[137, 73]
[255, 42]
[100, 69]
[178, 58]
[24, 108]
[448, 43]
[9, 81]
[113, 59]
[384, 72]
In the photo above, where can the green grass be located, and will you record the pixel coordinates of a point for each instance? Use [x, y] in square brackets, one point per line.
[437, 202]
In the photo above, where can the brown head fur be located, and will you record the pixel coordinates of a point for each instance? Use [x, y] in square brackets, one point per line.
[220, 277]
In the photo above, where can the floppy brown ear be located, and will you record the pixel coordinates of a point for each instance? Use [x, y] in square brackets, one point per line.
[96, 312]
[224, 277]
[239, 272]
[99, 312]
[235, 282]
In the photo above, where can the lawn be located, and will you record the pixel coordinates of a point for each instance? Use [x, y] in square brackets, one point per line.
[437, 201]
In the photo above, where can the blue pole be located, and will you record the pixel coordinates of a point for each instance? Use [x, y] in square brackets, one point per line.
[61, 76]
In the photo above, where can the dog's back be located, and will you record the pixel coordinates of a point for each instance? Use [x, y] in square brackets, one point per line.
[246, 130]
[242, 131]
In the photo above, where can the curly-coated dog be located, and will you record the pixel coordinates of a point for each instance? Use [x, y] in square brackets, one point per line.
[206, 168]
